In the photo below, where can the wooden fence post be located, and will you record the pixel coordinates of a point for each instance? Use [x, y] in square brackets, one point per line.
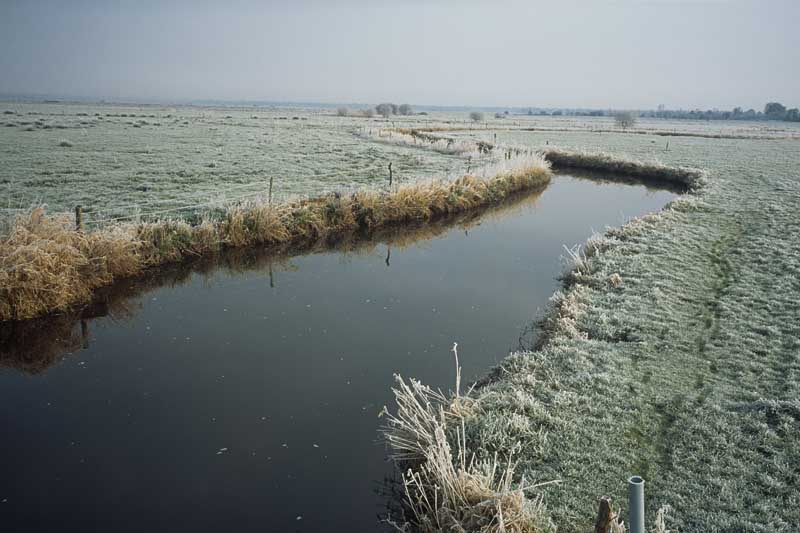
[605, 516]
[390, 174]
[270, 190]
[78, 218]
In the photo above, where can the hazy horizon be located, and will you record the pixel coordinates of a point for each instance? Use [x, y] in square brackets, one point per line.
[621, 54]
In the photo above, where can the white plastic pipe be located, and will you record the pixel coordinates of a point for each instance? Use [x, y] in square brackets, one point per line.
[636, 504]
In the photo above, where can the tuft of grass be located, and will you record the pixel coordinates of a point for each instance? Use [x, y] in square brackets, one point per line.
[46, 266]
[446, 488]
[65, 143]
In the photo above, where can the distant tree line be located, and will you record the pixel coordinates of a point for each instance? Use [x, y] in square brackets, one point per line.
[771, 111]
[386, 109]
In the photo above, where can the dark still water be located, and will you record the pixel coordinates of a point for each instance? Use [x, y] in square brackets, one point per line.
[246, 398]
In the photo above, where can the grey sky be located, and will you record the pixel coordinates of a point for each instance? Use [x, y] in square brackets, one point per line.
[624, 53]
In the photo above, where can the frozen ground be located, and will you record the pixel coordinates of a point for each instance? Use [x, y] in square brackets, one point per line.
[687, 369]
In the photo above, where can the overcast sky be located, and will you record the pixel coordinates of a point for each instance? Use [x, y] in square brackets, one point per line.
[621, 54]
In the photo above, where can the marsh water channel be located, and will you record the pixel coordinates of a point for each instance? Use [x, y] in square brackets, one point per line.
[244, 395]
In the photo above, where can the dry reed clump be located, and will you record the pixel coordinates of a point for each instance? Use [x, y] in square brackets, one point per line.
[444, 489]
[691, 178]
[47, 266]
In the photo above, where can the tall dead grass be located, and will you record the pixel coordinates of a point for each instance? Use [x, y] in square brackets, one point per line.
[445, 490]
[47, 266]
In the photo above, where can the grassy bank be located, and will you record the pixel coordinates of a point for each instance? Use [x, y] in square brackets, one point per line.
[671, 352]
[47, 266]
[440, 440]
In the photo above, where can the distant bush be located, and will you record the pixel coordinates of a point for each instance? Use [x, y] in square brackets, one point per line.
[385, 109]
[65, 143]
[346, 112]
[476, 116]
[775, 110]
[624, 119]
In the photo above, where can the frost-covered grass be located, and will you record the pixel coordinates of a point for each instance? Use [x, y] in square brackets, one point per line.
[672, 352]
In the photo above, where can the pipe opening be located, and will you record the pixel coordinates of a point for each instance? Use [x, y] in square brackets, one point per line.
[636, 480]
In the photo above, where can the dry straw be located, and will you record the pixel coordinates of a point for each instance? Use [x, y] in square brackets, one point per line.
[445, 490]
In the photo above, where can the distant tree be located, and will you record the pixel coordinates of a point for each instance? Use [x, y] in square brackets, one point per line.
[476, 116]
[395, 108]
[405, 109]
[558, 113]
[342, 111]
[625, 119]
[775, 110]
[368, 112]
[500, 115]
[793, 114]
[384, 109]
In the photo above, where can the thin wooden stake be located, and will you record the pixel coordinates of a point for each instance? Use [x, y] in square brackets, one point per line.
[390, 174]
[270, 190]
